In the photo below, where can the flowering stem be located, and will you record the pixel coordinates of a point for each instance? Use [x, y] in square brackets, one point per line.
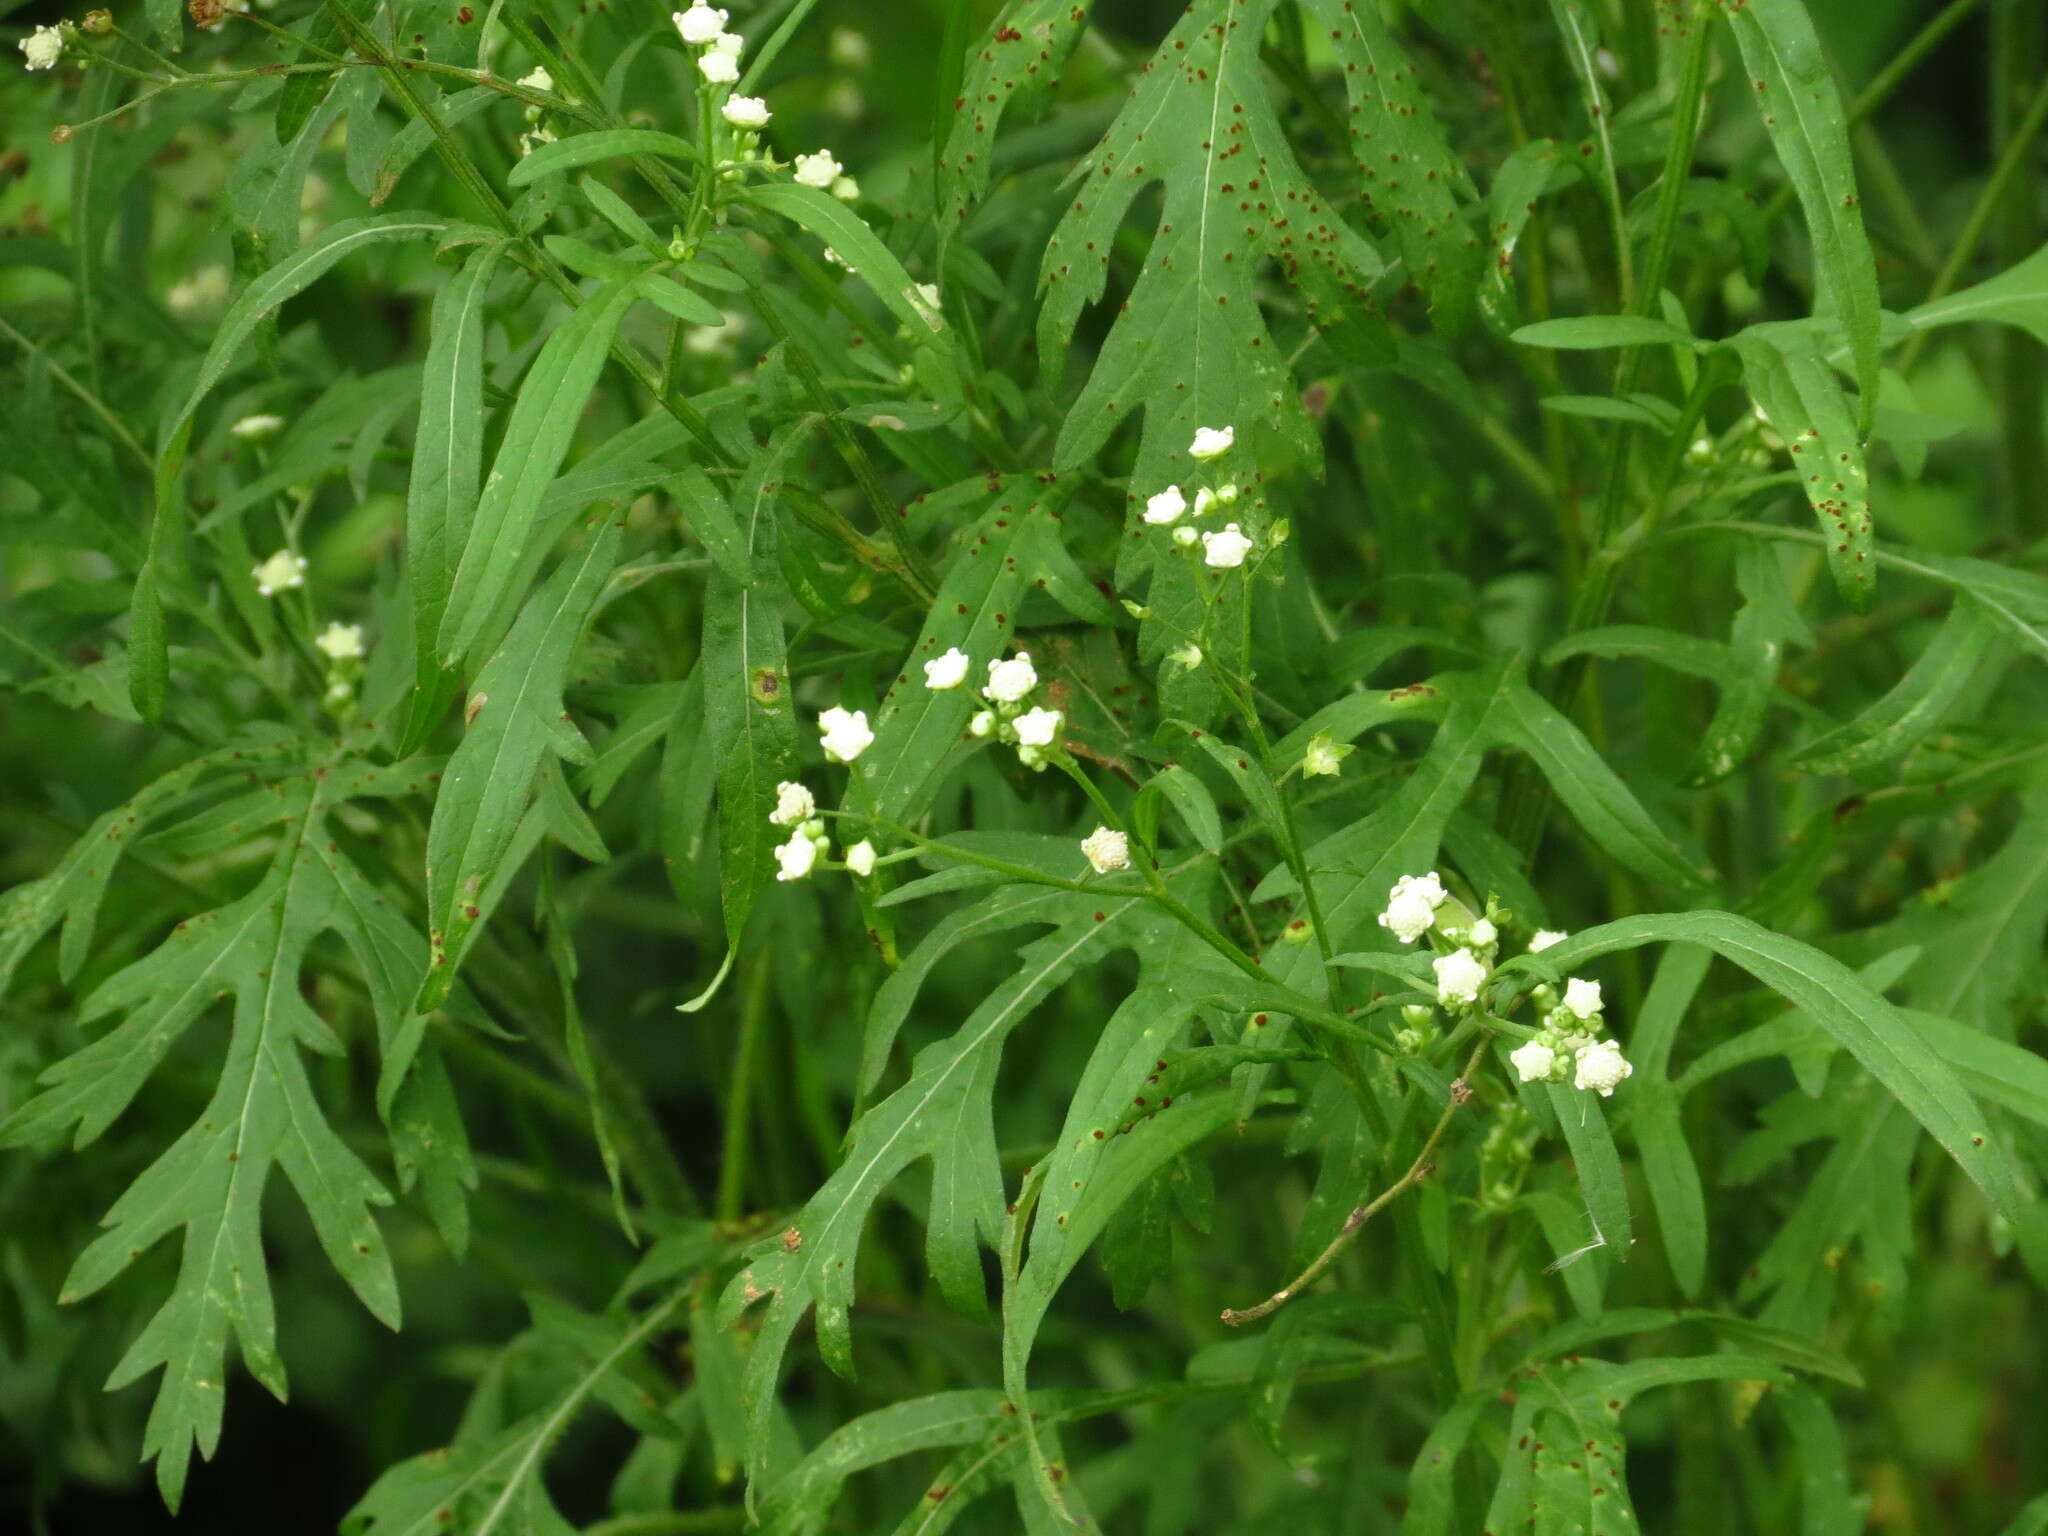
[1418, 1170]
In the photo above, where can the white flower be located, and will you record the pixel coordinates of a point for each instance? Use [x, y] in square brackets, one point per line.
[1601, 1067]
[796, 857]
[43, 47]
[1545, 937]
[729, 42]
[1107, 851]
[1205, 501]
[1227, 494]
[982, 725]
[1037, 727]
[1534, 1061]
[1185, 537]
[1458, 976]
[539, 80]
[1482, 933]
[249, 428]
[860, 858]
[719, 68]
[947, 671]
[749, 112]
[793, 804]
[819, 170]
[341, 642]
[849, 49]
[1411, 906]
[281, 570]
[1009, 681]
[847, 190]
[1165, 507]
[1212, 442]
[529, 142]
[699, 24]
[1323, 757]
[202, 290]
[1225, 550]
[1582, 997]
[844, 733]
[1032, 758]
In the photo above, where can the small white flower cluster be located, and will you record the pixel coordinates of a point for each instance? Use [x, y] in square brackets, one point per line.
[1570, 1037]
[1034, 731]
[1419, 904]
[821, 169]
[796, 809]
[704, 28]
[342, 645]
[1107, 850]
[844, 733]
[42, 48]
[282, 570]
[1224, 548]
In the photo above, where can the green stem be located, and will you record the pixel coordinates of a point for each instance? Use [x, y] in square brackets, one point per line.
[739, 1098]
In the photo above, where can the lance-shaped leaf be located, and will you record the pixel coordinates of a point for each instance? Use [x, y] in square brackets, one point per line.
[2017, 296]
[447, 461]
[1795, 92]
[1804, 401]
[1914, 707]
[944, 1113]
[543, 421]
[1844, 1005]
[513, 720]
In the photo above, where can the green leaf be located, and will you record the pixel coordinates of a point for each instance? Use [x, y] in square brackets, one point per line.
[944, 1112]
[1906, 715]
[1832, 995]
[1795, 91]
[845, 232]
[1391, 123]
[1583, 1119]
[583, 149]
[1800, 395]
[2017, 296]
[1019, 62]
[447, 461]
[1597, 332]
[543, 422]
[514, 718]
[1197, 807]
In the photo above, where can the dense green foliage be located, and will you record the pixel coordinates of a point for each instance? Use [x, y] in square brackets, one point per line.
[1484, 975]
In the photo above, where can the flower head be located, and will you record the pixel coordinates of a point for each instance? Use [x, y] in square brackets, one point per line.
[1324, 757]
[539, 80]
[1601, 1067]
[341, 642]
[1545, 937]
[1212, 442]
[728, 42]
[983, 725]
[819, 170]
[1411, 906]
[793, 804]
[1165, 507]
[1481, 933]
[283, 569]
[719, 68]
[796, 857]
[844, 733]
[860, 858]
[1225, 550]
[947, 671]
[252, 428]
[1037, 727]
[1534, 1061]
[1107, 851]
[42, 48]
[1205, 502]
[1458, 977]
[1189, 656]
[748, 112]
[1582, 997]
[1186, 538]
[698, 25]
[1009, 681]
